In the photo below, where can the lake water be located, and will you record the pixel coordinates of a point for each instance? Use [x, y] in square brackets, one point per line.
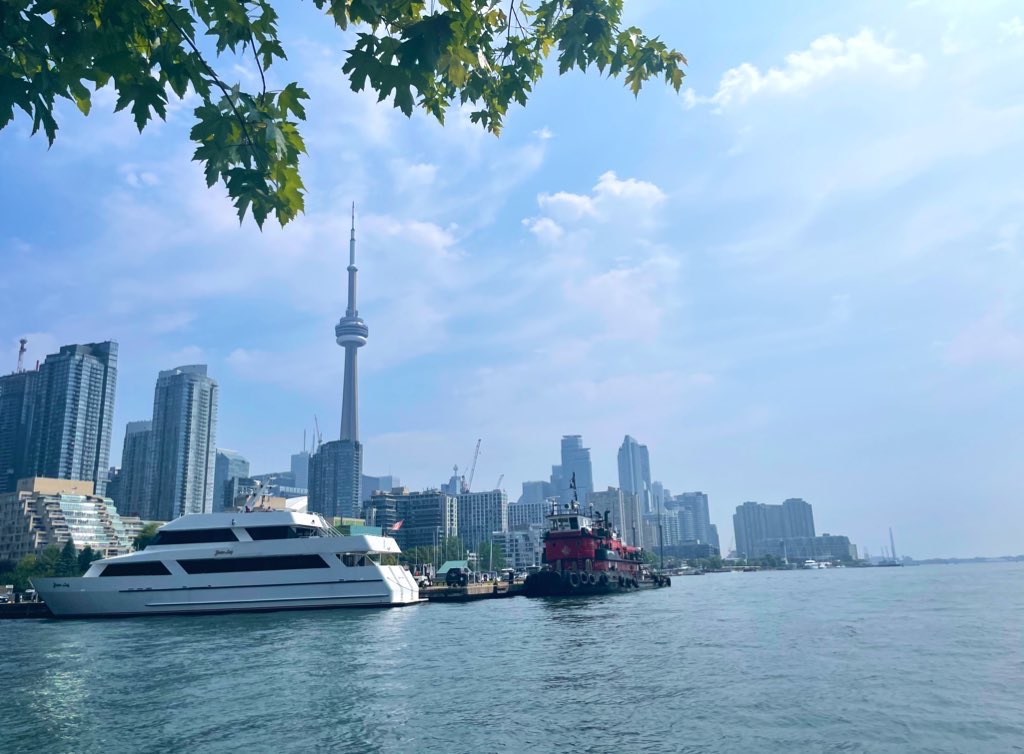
[929, 658]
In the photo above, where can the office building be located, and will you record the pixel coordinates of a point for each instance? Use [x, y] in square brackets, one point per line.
[229, 465]
[17, 408]
[300, 470]
[73, 415]
[372, 484]
[714, 538]
[427, 518]
[575, 461]
[333, 468]
[623, 511]
[184, 451]
[43, 512]
[135, 468]
[537, 492]
[481, 514]
[635, 472]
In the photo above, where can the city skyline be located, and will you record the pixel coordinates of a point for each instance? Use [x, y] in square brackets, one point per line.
[810, 288]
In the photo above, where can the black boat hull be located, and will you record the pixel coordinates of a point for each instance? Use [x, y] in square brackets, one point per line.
[554, 584]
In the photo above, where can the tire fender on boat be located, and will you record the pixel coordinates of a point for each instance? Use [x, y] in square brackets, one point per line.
[603, 578]
[574, 580]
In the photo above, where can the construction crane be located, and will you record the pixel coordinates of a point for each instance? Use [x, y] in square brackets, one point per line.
[468, 485]
[21, 354]
[498, 485]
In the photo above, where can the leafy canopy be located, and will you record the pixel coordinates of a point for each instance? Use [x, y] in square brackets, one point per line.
[429, 54]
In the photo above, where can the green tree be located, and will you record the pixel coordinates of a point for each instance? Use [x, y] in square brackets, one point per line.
[67, 564]
[146, 536]
[485, 53]
[86, 558]
[47, 561]
[492, 557]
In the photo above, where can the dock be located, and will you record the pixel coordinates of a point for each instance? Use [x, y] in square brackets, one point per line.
[471, 592]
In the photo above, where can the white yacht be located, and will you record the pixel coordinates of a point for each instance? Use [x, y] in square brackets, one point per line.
[242, 561]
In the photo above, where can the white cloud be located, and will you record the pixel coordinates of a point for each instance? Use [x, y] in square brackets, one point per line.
[611, 198]
[1014, 28]
[413, 176]
[546, 229]
[827, 56]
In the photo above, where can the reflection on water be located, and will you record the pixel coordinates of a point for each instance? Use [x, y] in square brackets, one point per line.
[803, 661]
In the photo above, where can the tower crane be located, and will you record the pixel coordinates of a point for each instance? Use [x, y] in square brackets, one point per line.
[498, 485]
[472, 467]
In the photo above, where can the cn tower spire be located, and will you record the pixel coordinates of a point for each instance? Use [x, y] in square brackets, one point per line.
[351, 333]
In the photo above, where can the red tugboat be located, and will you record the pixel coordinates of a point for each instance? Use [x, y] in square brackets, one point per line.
[583, 555]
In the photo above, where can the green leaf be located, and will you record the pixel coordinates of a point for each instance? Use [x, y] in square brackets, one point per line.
[290, 99]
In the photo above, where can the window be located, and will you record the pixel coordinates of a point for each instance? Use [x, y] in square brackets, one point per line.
[280, 532]
[239, 565]
[194, 536]
[143, 568]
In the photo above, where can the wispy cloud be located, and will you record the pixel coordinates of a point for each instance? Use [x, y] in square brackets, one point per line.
[827, 57]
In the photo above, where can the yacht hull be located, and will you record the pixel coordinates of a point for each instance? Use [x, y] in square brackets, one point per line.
[90, 597]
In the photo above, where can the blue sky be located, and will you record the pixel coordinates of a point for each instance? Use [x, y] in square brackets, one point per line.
[801, 277]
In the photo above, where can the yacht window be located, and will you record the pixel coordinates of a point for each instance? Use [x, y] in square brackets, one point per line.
[143, 568]
[574, 523]
[193, 536]
[281, 532]
[238, 565]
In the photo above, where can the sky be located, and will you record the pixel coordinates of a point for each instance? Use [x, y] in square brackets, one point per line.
[801, 276]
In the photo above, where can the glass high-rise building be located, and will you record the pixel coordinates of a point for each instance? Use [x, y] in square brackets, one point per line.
[575, 460]
[635, 472]
[73, 415]
[229, 465]
[17, 407]
[135, 468]
[184, 447]
[335, 479]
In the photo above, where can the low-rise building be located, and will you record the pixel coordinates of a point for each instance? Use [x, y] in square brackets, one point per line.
[43, 512]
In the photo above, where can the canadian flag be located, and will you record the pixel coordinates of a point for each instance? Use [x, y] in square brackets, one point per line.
[398, 525]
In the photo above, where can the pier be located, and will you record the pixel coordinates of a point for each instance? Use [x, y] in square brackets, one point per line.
[471, 592]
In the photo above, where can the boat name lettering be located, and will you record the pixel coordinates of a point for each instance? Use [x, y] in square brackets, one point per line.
[223, 552]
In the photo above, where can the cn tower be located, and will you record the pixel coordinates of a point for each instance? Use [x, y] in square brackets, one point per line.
[351, 333]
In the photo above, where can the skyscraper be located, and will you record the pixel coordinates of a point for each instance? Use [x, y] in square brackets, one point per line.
[694, 506]
[184, 444]
[635, 472]
[336, 468]
[300, 469]
[135, 468]
[74, 409]
[17, 406]
[575, 460]
[229, 465]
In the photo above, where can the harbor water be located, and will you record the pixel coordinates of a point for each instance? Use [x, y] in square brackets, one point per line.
[927, 658]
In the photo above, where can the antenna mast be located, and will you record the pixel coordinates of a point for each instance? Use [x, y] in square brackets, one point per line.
[21, 354]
